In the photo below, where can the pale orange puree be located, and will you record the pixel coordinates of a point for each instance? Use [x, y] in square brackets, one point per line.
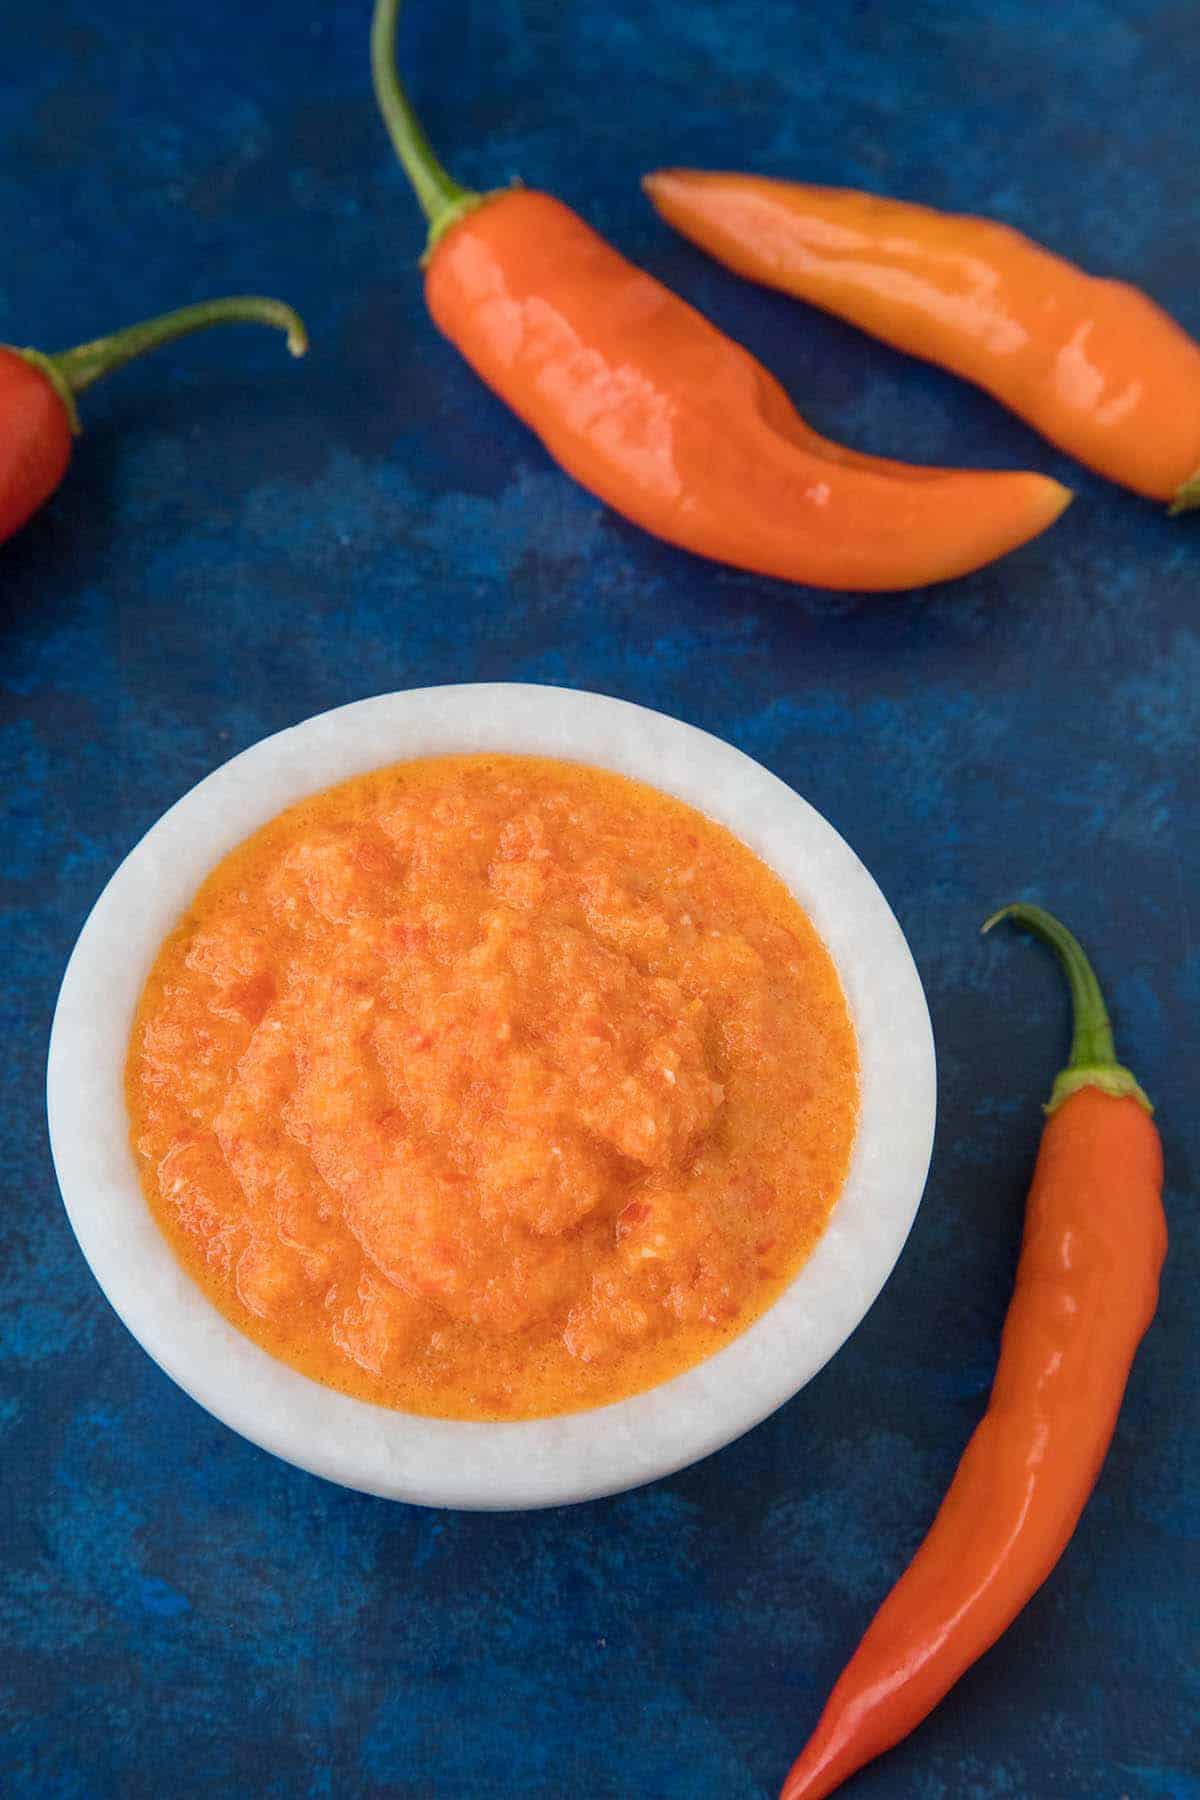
[492, 1087]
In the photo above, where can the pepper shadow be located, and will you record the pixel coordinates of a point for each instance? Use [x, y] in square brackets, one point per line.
[62, 549]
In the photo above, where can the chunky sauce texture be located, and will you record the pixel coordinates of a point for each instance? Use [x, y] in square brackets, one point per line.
[492, 1087]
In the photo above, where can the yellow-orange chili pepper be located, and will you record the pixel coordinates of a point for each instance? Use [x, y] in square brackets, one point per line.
[1092, 364]
[663, 417]
[1086, 1290]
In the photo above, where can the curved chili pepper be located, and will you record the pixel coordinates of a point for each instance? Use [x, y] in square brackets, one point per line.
[1086, 1290]
[37, 393]
[1094, 365]
[655, 411]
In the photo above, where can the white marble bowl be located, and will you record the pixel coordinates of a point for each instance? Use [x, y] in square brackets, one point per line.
[437, 1462]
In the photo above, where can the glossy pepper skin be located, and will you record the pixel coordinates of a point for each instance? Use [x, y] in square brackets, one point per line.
[35, 439]
[37, 393]
[1092, 364]
[659, 414]
[1086, 1291]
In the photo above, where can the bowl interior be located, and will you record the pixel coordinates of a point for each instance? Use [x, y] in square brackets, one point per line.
[444, 1462]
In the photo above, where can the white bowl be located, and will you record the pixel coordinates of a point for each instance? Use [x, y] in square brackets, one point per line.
[439, 1462]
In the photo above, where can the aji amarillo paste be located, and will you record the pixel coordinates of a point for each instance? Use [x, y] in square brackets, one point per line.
[492, 1087]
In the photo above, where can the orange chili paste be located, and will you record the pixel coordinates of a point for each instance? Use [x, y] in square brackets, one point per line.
[492, 1087]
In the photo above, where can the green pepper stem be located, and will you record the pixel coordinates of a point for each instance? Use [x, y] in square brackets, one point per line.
[443, 200]
[1187, 497]
[69, 372]
[1093, 1059]
[77, 369]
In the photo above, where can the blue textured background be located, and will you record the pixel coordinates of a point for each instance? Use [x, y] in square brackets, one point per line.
[243, 542]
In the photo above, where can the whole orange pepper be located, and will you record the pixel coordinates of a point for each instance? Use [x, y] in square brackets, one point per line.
[1086, 1291]
[658, 413]
[1092, 364]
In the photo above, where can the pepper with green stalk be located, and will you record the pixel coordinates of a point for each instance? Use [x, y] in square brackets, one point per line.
[1086, 1291]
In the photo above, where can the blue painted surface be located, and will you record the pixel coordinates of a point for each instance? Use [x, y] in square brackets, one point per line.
[243, 542]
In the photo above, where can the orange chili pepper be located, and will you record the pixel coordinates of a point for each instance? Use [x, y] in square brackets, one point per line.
[658, 413]
[1086, 1290]
[37, 392]
[1094, 365]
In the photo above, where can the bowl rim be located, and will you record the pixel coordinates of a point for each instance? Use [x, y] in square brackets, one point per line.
[527, 1463]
